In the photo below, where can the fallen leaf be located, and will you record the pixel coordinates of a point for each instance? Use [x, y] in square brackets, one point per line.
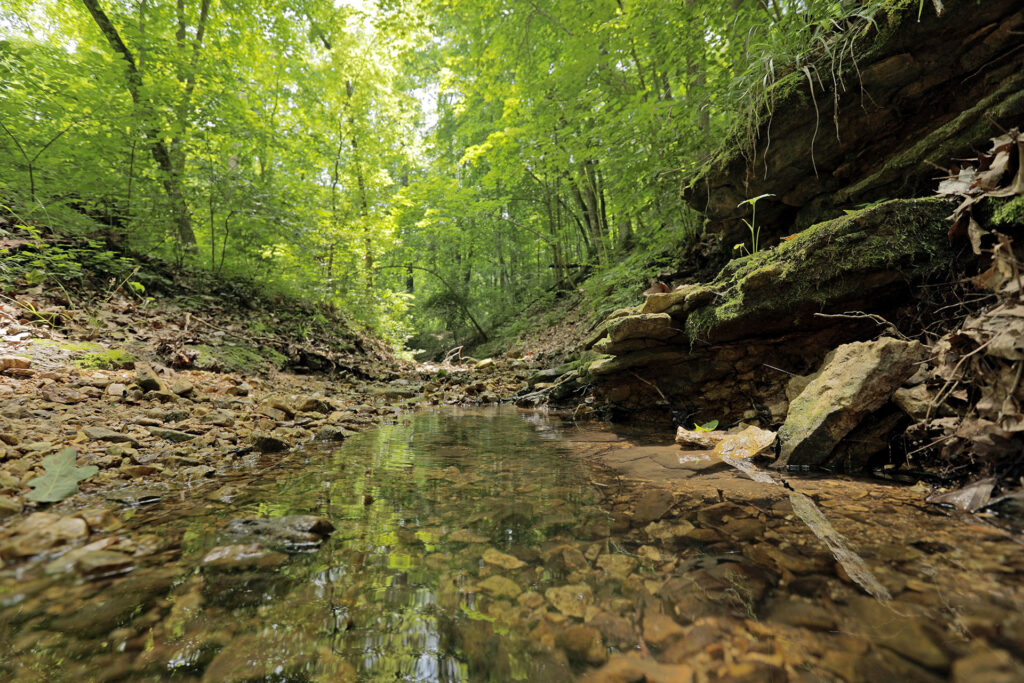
[974, 496]
[61, 477]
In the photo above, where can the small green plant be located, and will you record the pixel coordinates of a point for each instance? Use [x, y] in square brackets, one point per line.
[755, 229]
[707, 426]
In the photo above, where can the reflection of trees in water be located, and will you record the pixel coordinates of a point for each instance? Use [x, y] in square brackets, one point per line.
[369, 598]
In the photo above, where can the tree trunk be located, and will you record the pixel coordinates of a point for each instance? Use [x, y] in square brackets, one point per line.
[170, 179]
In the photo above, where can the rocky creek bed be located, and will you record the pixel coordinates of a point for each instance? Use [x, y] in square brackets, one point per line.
[496, 544]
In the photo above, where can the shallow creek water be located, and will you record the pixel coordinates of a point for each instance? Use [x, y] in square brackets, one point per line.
[481, 545]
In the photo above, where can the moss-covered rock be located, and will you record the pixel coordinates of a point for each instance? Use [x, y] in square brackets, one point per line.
[852, 258]
[236, 358]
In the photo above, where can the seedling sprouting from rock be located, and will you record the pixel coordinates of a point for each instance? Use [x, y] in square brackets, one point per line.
[755, 229]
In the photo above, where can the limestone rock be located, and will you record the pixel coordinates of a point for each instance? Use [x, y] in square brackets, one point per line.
[698, 439]
[851, 260]
[915, 401]
[643, 326]
[104, 434]
[617, 566]
[14, 363]
[661, 629]
[500, 587]
[182, 387]
[661, 302]
[582, 644]
[750, 442]
[623, 669]
[9, 507]
[146, 378]
[267, 443]
[332, 433]
[500, 559]
[103, 563]
[42, 531]
[921, 73]
[242, 556]
[571, 600]
[652, 506]
[860, 379]
[296, 532]
[172, 435]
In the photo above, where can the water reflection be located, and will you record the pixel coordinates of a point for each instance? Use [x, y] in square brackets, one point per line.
[471, 547]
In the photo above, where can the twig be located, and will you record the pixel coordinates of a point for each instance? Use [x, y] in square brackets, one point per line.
[787, 372]
[652, 384]
[861, 315]
[941, 396]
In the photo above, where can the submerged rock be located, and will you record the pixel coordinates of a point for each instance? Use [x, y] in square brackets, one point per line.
[242, 556]
[582, 644]
[571, 600]
[292, 533]
[860, 378]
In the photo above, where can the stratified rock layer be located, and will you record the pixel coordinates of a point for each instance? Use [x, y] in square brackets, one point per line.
[917, 93]
[734, 339]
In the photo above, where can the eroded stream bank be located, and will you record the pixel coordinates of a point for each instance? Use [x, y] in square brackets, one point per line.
[480, 545]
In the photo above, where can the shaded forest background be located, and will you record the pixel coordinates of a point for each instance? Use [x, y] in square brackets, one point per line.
[433, 168]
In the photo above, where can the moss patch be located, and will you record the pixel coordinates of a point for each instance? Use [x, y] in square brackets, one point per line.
[1009, 212]
[109, 359]
[240, 358]
[845, 258]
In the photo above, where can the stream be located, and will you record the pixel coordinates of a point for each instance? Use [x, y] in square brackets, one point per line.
[482, 545]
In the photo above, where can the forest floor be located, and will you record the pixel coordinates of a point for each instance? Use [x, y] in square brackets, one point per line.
[167, 394]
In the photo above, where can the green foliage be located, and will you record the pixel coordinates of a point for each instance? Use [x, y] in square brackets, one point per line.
[431, 167]
[61, 477]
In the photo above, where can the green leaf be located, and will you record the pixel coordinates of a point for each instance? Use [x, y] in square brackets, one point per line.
[61, 477]
[707, 426]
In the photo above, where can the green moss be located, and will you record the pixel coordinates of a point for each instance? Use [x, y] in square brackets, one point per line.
[825, 263]
[110, 359]
[1009, 212]
[240, 358]
[73, 347]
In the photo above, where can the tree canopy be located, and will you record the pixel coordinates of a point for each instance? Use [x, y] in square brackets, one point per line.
[430, 166]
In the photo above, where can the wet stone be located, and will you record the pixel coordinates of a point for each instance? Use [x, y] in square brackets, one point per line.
[660, 630]
[104, 563]
[265, 443]
[295, 533]
[9, 507]
[271, 654]
[172, 435]
[499, 559]
[582, 644]
[652, 506]
[242, 557]
[571, 600]
[332, 433]
[500, 587]
[617, 566]
[891, 626]
[104, 434]
[616, 631]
